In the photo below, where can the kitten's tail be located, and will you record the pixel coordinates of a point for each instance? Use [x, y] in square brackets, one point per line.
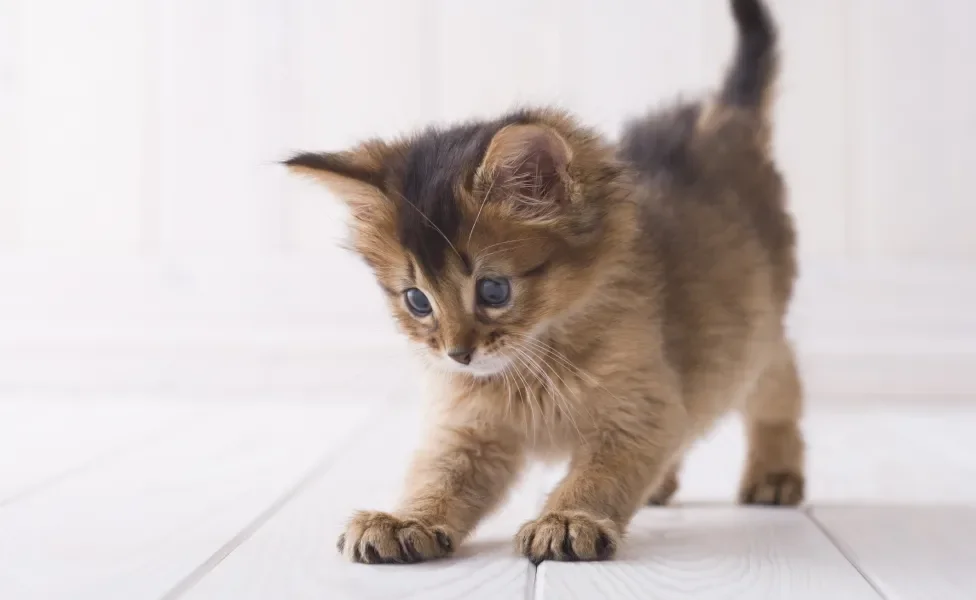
[749, 81]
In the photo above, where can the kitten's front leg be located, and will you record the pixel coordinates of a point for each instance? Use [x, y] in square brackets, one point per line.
[460, 474]
[607, 482]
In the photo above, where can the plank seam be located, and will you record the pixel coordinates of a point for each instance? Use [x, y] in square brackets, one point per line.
[533, 583]
[844, 551]
[322, 466]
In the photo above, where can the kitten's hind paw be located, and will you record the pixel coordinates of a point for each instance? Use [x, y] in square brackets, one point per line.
[665, 491]
[773, 489]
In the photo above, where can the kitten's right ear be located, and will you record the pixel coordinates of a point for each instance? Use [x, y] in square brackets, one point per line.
[529, 166]
[355, 176]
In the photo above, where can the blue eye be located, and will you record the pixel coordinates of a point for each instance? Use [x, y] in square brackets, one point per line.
[493, 291]
[417, 302]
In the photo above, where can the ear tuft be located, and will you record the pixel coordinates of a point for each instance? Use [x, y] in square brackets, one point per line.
[528, 164]
[355, 176]
[325, 165]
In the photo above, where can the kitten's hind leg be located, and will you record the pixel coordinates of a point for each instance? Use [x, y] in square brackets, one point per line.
[774, 467]
[664, 491]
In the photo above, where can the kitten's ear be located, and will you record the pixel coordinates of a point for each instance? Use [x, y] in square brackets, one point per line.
[528, 164]
[355, 176]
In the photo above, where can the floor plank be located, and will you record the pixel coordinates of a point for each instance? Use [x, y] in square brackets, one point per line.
[293, 556]
[42, 442]
[909, 553]
[134, 526]
[207, 501]
[711, 553]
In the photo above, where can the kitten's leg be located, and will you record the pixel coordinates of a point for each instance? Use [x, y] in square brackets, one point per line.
[460, 475]
[607, 483]
[774, 467]
[664, 491]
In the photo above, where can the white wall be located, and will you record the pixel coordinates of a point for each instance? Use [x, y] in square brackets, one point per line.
[137, 142]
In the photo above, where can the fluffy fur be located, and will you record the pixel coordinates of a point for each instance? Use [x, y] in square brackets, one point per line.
[649, 284]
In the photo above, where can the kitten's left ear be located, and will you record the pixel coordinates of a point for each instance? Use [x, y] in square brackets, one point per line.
[529, 164]
[355, 176]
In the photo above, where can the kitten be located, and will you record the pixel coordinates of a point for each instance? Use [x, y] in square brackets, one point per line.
[605, 303]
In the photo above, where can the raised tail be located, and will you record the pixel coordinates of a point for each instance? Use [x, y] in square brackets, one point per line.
[752, 74]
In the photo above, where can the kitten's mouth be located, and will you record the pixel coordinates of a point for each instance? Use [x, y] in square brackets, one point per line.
[480, 366]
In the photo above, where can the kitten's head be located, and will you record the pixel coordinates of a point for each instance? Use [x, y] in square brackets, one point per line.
[484, 235]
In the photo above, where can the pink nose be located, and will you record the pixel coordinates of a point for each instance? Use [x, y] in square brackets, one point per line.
[462, 355]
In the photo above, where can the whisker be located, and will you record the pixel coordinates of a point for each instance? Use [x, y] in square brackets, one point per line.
[568, 363]
[481, 254]
[515, 241]
[525, 399]
[566, 404]
[558, 398]
[560, 356]
[547, 381]
[542, 412]
[432, 224]
[536, 369]
[539, 346]
[508, 393]
[481, 208]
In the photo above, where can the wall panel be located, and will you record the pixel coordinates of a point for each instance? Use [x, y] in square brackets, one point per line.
[83, 97]
[812, 136]
[10, 121]
[620, 58]
[153, 126]
[357, 69]
[219, 112]
[492, 56]
[140, 137]
[913, 114]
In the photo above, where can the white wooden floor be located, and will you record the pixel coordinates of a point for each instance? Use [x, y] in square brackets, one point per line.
[133, 500]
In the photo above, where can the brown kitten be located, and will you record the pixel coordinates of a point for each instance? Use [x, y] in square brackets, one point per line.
[584, 300]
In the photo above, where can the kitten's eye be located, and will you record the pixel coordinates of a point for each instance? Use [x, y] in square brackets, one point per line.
[417, 302]
[493, 291]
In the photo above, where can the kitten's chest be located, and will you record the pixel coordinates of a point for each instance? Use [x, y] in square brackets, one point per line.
[551, 408]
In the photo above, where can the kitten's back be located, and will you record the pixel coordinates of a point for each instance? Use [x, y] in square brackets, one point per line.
[714, 224]
[713, 199]
[662, 143]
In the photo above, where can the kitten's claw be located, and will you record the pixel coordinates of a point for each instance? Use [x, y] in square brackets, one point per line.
[381, 538]
[773, 489]
[568, 536]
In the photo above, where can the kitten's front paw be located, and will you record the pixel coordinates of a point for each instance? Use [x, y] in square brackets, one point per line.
[568, 536]
[380, 538]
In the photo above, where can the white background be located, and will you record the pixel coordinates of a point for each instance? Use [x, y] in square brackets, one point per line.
[149, 242]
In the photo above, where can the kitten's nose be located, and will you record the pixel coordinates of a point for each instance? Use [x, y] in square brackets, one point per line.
[462, 355]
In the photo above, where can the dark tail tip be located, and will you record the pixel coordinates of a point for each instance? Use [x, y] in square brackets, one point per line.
[753, 69]
[751, 15]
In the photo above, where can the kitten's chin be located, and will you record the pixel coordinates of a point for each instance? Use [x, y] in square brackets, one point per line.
[480, 368]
